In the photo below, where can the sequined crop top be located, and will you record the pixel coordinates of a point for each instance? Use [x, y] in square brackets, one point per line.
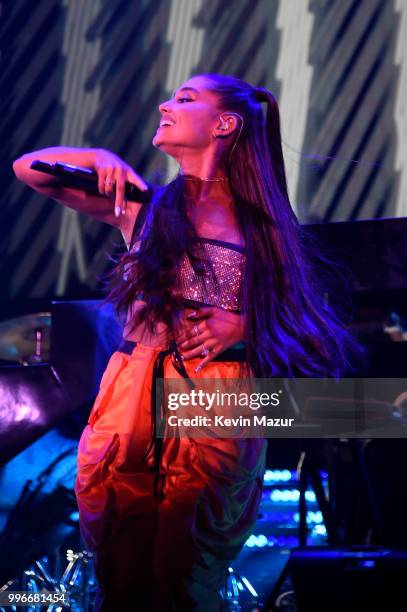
[228, 262]
[225, 290]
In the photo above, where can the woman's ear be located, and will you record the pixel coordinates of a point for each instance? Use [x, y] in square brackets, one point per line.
[226, 125]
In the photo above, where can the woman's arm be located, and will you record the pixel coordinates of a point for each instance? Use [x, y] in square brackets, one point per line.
[112, 209]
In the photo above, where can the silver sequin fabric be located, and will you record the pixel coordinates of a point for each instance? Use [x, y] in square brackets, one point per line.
[228, 267]
[225, 289]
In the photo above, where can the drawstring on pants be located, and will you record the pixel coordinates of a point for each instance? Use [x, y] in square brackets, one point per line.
[157, 404]
[235, 353]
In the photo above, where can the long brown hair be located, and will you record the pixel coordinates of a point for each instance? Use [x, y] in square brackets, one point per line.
[290, 330]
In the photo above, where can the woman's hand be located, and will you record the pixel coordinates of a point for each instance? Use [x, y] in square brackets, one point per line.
[211, 328]
[113, 173]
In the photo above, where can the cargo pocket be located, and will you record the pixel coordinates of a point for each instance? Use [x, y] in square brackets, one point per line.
[94, 489]
[96, 453]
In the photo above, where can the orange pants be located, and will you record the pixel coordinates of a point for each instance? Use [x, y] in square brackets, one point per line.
[169, 552]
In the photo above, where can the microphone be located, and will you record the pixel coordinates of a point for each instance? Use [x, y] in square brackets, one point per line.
[87, 179]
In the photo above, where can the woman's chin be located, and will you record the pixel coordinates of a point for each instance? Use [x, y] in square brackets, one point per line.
[169, 148]
[157, 141]
[160, 141]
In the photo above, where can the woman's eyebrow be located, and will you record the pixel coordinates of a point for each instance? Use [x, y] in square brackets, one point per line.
[185, 89]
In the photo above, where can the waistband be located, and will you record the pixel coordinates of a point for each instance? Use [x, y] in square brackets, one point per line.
[237, 352]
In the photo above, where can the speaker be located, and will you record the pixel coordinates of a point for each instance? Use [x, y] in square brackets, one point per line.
[351, 579]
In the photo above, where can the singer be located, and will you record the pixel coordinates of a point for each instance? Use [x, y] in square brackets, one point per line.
[215, 283]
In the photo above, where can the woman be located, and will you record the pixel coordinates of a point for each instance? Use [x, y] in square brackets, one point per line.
[166, 516]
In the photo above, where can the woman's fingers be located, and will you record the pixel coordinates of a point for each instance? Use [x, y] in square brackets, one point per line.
[194, 341]
[134, 178]
[200, 350]
[206, 360]
[112, 184]
[202, 313]
[123, 174]
[113, 173]
[105, 180]
[191, 321]
[109, 182]
[101, 180]
[120, 182]
[190, 332]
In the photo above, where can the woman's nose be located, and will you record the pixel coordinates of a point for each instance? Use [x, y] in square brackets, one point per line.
[163, 108]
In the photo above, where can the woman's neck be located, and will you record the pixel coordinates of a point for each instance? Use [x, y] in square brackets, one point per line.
[200, 190]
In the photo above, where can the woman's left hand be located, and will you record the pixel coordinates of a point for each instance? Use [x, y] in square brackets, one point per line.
[211, 328]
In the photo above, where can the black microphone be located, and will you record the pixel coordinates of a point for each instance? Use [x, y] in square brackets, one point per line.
[87, 179]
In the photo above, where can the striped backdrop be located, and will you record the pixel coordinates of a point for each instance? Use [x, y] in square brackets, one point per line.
[92, 73]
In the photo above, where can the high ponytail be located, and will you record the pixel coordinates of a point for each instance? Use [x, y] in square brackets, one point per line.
[274, 136]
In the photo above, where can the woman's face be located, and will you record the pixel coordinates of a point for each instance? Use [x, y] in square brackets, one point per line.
[193, 115]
